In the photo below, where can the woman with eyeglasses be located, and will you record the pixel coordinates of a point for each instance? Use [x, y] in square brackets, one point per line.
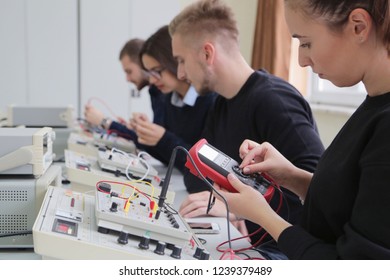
[185, 110]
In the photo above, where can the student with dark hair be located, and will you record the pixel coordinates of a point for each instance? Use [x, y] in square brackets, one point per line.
[346, 199]
[131, 64]
[184, 111]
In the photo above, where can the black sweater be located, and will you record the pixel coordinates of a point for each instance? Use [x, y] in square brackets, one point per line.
[346, 213]
[265, 109]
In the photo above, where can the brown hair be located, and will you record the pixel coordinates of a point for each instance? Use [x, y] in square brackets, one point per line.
[205, 17]
[132, 49]
[336, 12]
[159, 46]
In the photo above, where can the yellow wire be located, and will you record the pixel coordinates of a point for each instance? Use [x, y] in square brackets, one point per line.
[145, 182]
[149, 184]
[134, 189]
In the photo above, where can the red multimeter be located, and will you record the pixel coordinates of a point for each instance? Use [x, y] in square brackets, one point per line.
[215, 165]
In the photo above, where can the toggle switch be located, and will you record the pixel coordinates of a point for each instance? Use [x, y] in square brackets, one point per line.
[114, 207]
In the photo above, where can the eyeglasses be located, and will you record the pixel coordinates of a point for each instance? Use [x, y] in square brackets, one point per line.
[156, 73]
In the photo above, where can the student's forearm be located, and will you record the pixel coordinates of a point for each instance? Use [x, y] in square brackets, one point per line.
[272, 222]
[299, 182]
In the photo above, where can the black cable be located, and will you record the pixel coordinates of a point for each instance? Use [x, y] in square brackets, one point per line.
[168, 177]
[171, 209]
[211, 202]
[16, 233]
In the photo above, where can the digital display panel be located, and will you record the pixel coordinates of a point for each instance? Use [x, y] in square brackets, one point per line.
[65, 227]
[208, 152]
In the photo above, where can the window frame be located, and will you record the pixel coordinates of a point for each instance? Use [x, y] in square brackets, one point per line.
[324, 92]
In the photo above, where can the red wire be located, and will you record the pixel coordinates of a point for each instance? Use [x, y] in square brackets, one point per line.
[258, 242]
[104, 104]
[121, 183]
[231, 255]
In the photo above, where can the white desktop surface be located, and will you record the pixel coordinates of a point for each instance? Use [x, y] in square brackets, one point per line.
[176, 185]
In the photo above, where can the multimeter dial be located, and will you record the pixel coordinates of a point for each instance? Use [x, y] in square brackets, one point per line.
[239, 172]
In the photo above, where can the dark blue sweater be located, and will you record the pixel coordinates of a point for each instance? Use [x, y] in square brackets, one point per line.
[183, 125]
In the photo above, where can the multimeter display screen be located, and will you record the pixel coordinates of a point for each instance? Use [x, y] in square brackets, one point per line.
[208, 152]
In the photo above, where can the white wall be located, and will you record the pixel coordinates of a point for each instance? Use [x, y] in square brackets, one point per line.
[330, 119]
[13, 74]
[105, 27]
[38, 52]
[60, 52]
[51, 52]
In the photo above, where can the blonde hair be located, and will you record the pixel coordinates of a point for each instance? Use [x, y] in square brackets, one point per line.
[205, 17]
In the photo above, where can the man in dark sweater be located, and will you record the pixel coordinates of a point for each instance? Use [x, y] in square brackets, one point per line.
[251, 104]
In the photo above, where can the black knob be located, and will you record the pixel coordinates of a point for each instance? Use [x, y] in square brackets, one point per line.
[144, 243]
[170, 246]
[198, 252]
[160, 248]
[204, 255]
[104, 187]
[114, 207]
[176, 252]
[123, 238]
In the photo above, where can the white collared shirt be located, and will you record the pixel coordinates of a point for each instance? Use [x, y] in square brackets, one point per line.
[189, 99]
